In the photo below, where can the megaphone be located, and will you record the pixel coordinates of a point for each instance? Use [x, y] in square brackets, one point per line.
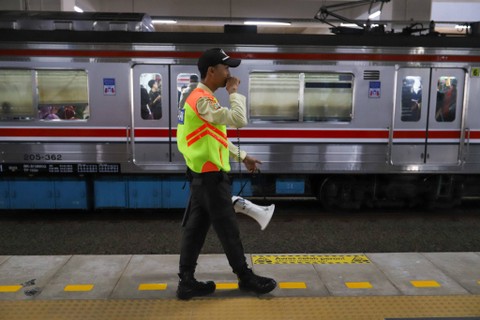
[262, 214]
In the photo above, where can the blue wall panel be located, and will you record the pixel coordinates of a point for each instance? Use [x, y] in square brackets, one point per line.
[4, 194]
[32, 194]
[175, 193]
[290, 186]
[145, 193]
[71, 194]
[237, 185]
[110, 193]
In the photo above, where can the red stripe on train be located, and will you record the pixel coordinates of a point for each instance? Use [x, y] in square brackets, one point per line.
[240, 55]
[243, 133]
[422, 134]
[80, 132]
[310, 134]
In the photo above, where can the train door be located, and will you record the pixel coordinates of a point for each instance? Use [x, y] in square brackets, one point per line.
[150, 134]
[428, 117]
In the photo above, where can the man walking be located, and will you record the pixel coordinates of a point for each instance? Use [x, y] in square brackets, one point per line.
[202, 139]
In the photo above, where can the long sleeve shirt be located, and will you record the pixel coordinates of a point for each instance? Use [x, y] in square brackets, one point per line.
[235, 117]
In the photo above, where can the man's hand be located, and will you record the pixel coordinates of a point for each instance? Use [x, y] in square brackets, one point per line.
[232, 85]
[251, 164]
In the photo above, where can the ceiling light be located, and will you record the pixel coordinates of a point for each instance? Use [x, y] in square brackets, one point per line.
[77, 9]
[375, 14]
[267, 23]
[159, 21]
[349, 25]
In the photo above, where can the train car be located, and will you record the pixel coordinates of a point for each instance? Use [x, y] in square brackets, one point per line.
[352, 120]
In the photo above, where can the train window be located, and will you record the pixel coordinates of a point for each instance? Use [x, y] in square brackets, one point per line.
[328, 97]
[274, 96]
[62, 94]
[151, 96]
[446, 99]
[411, 98]
[186, 82]
[293, 96]
[16, 95]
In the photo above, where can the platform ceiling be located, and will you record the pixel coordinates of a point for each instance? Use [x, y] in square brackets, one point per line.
[212, 15]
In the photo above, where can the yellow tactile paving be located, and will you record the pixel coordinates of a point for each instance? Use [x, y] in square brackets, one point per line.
[226, 286]
[152, 286]
[292, 285]
[332, 308]
[13, 288]
[359, 285]
[425, 284]
[78, 287]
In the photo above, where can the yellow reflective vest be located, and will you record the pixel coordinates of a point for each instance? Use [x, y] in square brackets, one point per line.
[203, 145]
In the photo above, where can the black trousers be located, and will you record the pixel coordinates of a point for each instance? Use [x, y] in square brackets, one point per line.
[211, 204]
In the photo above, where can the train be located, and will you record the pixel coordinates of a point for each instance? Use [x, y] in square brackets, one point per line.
[351, 120]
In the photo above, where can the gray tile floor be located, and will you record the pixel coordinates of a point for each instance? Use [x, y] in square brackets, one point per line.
[155, 276]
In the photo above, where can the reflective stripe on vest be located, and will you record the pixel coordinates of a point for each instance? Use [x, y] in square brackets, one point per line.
[203, 145]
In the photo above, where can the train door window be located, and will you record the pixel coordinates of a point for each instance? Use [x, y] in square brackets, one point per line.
[16, 95]
[411, 98]
[328, 97]
[274, 96]
[62, 94]
[186, 82]
[151, 96]
[446, 103]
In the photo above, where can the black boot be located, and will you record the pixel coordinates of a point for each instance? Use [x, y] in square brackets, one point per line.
[249, 281]
[189, 287]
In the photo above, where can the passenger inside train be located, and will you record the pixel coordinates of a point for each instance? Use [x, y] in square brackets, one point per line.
[411, 99]
[155, 98]
[446, 99]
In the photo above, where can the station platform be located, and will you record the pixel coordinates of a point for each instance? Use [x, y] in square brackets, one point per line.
[310, 286]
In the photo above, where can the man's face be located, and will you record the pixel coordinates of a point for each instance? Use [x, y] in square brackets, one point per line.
[221, 73]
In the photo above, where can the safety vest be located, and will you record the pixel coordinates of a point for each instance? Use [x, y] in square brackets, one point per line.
[203, 145]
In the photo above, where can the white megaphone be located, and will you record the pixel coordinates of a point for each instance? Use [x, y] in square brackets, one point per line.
[260, 213]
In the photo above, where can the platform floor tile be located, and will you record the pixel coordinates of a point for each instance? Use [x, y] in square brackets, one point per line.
[30, 273]
[99, 273]
[288, 308]
[414, 274]
[148, 277]
[3, 259]
[290, 277]
[355, 280]
[460, 266]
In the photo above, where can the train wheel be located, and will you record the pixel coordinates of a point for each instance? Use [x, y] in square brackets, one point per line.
[340, 193]
[442, 192]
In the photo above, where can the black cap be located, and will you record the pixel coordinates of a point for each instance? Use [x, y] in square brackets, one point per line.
[212, 57]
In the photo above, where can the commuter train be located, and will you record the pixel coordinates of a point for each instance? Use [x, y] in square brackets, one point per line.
[353, 120]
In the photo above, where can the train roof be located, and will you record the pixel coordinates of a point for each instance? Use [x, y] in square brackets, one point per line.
[135, 28]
